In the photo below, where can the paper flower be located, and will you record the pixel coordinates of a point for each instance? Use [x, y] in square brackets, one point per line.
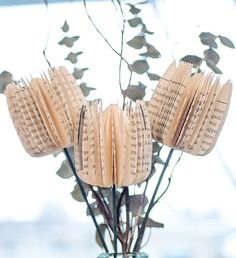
[113, 146]
[187, 111]
[44, 111]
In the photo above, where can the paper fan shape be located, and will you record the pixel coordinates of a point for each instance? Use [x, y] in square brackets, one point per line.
[187, 111]
[113, 147]
[44, 111]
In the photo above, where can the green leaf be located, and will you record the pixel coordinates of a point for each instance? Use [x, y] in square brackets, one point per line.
[153, 76]
[192, 59]
[226, 41]
[157, 160]
[79, 73]
[95, 209]
[156, 147]
[137, 42]
[102, 228]
[85, 89]
[139, 66]
[76, 193]
[133, 9]
[137, 204]
[5, 79]
[72, 57]
[68, 41]
[64, 171]
[208, 39]
[145, 30]
[65, 27]
[213, 67]
[151, 52]
[151, 223]
[134, 22]
[211, 55]
[135, 92]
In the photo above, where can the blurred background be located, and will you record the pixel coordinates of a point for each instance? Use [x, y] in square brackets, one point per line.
[38, 217]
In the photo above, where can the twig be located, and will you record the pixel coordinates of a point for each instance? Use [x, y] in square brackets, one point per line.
[169, 181]
[47, 40]
[127, 205]
[85, 198]
[142, 229]
[114, 219]
[100, 33]
[104, 201]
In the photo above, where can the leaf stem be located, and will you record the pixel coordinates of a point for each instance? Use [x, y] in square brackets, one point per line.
[142, 229]
[85, 198]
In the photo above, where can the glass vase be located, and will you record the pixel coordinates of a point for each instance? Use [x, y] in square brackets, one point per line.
[121, 255]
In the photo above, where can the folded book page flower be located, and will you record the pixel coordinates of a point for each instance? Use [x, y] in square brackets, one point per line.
[44, 111]
[187, 111]
[113, 147]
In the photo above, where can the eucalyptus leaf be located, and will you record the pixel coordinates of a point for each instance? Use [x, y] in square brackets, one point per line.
[64, 171]
[137, 42]
[5, 79]
[157, 160]
[153, 171]
[133, 9]
[213, 67]
[76, 193]
[139, 66]
[79, 73]
[226, 41]
[85, 89]
[144, 2]
[135, 92]
[65, 27]
[156, 147]
[192, 59]
[151, 223]
[72, 57]
[137, 204]
[102, 228]
[153, 76]
[151, 52]
[68, 41]
[145, 30]
[134, 22]
[95, 209]
[211, 55]
[208, 39]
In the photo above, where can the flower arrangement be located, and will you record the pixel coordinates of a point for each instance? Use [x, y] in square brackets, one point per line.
[113, 150]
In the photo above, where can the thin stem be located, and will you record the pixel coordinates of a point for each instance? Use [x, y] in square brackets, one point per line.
[48, 35]
[100, 33]
[85, 198]
[127, 205]
[122, 44]
[169, 181]
[142, 229]
[114, 219]
[104, 201]
[101, 205]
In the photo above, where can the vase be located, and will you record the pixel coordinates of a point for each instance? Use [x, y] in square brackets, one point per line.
[121, 255]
